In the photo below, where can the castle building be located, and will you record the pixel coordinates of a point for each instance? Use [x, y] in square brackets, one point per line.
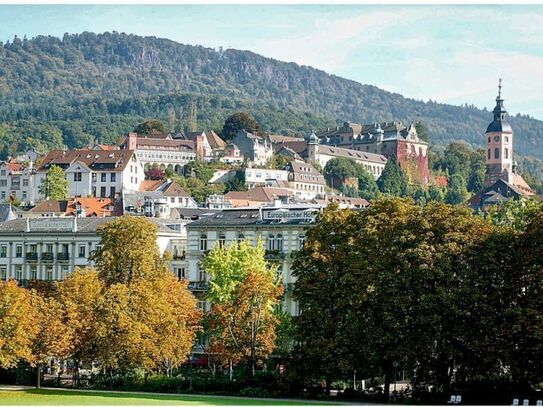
[390, 139]
[502, 181]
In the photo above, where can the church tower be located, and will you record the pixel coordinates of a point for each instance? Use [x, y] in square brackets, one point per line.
[499, 143]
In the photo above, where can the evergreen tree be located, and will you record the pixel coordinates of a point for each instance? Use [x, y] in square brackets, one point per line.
[456, 192]
[392, 180]
[367, 186]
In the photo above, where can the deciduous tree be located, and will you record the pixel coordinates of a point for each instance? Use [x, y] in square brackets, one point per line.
[55, 184]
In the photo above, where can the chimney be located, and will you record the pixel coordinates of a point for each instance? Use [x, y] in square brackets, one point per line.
[132, 141]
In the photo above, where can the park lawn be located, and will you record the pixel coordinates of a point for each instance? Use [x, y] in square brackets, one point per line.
[44, 397]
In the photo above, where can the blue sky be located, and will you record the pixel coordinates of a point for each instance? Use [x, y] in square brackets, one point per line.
[451, 54]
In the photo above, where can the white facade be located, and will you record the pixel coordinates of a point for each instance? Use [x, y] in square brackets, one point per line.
[87, 181]
[282, 230]
[51, 248]
[255, 148]
[18, 182]
[259, 177]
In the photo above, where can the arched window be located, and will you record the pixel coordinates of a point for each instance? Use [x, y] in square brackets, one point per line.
[279, 243]
[271, 242]
[489, 154]
[496, 152]
[203, 242]
[222, 239]
[489, 139]
[506, 153]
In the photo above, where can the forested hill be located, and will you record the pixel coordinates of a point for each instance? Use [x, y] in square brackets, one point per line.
[68, 90]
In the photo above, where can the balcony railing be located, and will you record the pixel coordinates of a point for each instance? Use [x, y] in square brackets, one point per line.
[31, 256]
[47, 256]
[179, 256]
[274, 255]
[63, 256]
[198, 285]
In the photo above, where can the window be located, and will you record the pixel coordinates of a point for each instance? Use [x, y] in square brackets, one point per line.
[203, 242]
[3, 194]
[19, 272]
[279, 243]
[180, 272]
[49, 273]
[202, 305]
[82, 252]
[113, 177]
[19, 251]
[3, 172]
[102, 192]
[489, 139]
[24, 194]
[4, 272]
[103, 177]
[222, 239]
[489, 157]
[506, 139]
[25, 182]
[271, 242]
[3, 250]
[112, 192]
[506, 153]
[33, 272]
[49, 248]
[241, 237]
[496, 153]
[77, 177]
[301, 241]
[3, 182]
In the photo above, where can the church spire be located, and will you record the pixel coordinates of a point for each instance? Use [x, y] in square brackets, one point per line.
[500, 114]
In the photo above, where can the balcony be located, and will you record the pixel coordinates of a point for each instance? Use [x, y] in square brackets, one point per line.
[198, 286]
[47, 257]
[63, 256]
[31, 256]
[179, 256]
[274, 255]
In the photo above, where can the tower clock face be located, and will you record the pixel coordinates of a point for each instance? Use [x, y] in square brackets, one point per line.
[496, 138]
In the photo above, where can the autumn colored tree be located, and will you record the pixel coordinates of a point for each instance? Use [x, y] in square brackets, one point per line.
[78, 295]
[154, 174]
[18, 324]
[150, 323]
[55, 184]
[128, 250]
[244, 291]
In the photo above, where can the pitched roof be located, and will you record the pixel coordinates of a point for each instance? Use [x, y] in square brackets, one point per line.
[111, 160]
[168, 188]
[354, 154]
[215, 141]
[298, 147]
[278, 138]
[304, 172]
[91, 206]
[258, 194]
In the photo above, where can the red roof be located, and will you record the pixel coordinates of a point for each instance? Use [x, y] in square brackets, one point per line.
[110, 160]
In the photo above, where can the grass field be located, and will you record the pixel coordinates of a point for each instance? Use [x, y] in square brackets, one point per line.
[44, 397]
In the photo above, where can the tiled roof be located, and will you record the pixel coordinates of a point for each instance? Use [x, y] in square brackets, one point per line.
[278, 138]
[305, 172]
[143, 143]
[168, 188]
[91, 206]
[258, 194]
[354, 154]
[299, 147]
[215, 141]
[111, 160]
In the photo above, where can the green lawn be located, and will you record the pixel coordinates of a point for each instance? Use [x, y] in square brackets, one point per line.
[61, 397]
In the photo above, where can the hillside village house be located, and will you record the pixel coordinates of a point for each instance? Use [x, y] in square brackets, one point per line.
[281, 228]
[51, 248]
[256, 196]
[259, 177]
[18, 180]
[305, 181]
[96, 173]
[79, 207]
[255, 148]
[208, 145]
[160, 150]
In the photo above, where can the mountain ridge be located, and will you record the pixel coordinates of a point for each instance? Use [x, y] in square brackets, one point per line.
[46, 76]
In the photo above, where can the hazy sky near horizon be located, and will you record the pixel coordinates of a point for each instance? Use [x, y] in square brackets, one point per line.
[450, 54]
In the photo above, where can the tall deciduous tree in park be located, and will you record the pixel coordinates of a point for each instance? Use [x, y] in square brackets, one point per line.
[18, 324]
[236, 122]
[55, 184]
[244, 291]
[392, 180]
[128, 250]
[79, 293]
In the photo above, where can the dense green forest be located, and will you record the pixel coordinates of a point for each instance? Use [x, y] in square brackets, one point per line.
[88, 86]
